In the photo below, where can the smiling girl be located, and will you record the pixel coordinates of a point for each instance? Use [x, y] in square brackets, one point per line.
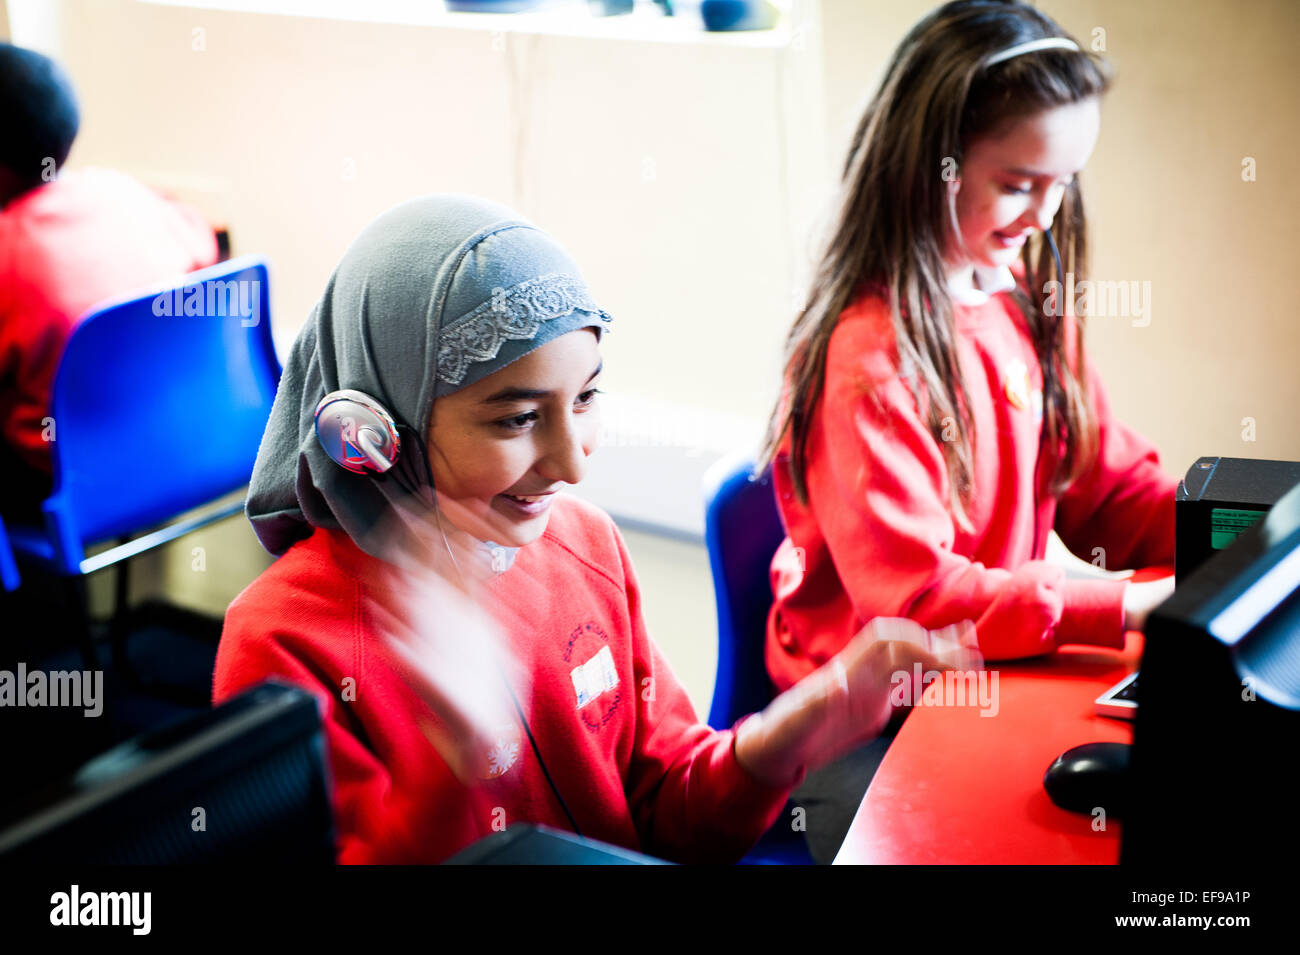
[474, 635]
[940, 416]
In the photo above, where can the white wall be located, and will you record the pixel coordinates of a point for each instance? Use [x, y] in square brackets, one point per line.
[673, 171]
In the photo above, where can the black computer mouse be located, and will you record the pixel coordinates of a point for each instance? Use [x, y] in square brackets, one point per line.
[1088, 776]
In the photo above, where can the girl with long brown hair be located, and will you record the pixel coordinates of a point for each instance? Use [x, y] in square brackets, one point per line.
[940, 416]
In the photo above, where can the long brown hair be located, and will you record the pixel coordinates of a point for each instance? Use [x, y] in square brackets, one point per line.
[896, 215]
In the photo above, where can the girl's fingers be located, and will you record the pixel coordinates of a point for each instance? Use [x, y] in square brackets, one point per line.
[952, 647]
[961, 634]
[899, 630]
[451, 654]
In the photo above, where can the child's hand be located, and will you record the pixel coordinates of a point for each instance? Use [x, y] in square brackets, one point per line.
[847, 701]
[1141, 598]
[906, 646]
[451, 653]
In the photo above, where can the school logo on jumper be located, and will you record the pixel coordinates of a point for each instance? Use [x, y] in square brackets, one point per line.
[1015, 385]
[596, 689]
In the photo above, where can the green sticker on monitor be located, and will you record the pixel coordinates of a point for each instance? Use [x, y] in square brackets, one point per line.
[1227, 524]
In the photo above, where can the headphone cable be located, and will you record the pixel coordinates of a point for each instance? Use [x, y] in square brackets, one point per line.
[519, 710]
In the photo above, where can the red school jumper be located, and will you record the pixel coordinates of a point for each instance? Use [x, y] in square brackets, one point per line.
[633, 763]
[878, 539]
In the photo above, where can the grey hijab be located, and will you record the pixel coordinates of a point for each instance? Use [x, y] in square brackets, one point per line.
[433, 296]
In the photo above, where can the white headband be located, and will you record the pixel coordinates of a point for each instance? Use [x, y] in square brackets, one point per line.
[1033, 46]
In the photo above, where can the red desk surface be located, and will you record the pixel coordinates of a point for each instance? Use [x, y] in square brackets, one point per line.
[956, 787]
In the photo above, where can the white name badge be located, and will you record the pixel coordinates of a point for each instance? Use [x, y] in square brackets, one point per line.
[598, 675]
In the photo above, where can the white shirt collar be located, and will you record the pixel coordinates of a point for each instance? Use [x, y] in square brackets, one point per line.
[487, 557]
[498, 557]
[988, 282]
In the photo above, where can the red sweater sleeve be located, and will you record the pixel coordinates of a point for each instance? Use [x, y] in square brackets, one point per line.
[30, 349]
[1124, 504]
[691, 799]
[878, 489]
[374, 822]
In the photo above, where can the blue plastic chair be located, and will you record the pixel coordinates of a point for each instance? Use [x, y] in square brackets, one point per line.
[742, 530]
[158, 405]
[9, 577]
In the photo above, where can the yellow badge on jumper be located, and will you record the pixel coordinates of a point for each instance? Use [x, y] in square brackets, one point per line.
[1015, 384]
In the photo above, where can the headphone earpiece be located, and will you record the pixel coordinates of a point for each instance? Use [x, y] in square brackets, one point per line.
[357, 432]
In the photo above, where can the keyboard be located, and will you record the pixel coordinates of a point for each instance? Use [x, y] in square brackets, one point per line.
[1120, 700]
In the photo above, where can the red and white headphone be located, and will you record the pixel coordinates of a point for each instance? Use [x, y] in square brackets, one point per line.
[357, 432]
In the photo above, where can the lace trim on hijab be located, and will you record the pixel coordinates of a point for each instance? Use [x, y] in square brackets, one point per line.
[511, 314]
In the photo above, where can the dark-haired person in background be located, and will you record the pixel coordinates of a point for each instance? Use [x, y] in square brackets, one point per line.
[68, 240]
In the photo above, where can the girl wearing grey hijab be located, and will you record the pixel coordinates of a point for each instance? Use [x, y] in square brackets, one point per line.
[434, 296]
[453, 318]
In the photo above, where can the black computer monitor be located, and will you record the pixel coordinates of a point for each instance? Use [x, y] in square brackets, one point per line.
[1217, 730]
[245, 781]
[1220, 498]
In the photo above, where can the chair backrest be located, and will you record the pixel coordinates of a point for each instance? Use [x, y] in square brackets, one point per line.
[9, 577]
[159, 404]
[742, 529]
